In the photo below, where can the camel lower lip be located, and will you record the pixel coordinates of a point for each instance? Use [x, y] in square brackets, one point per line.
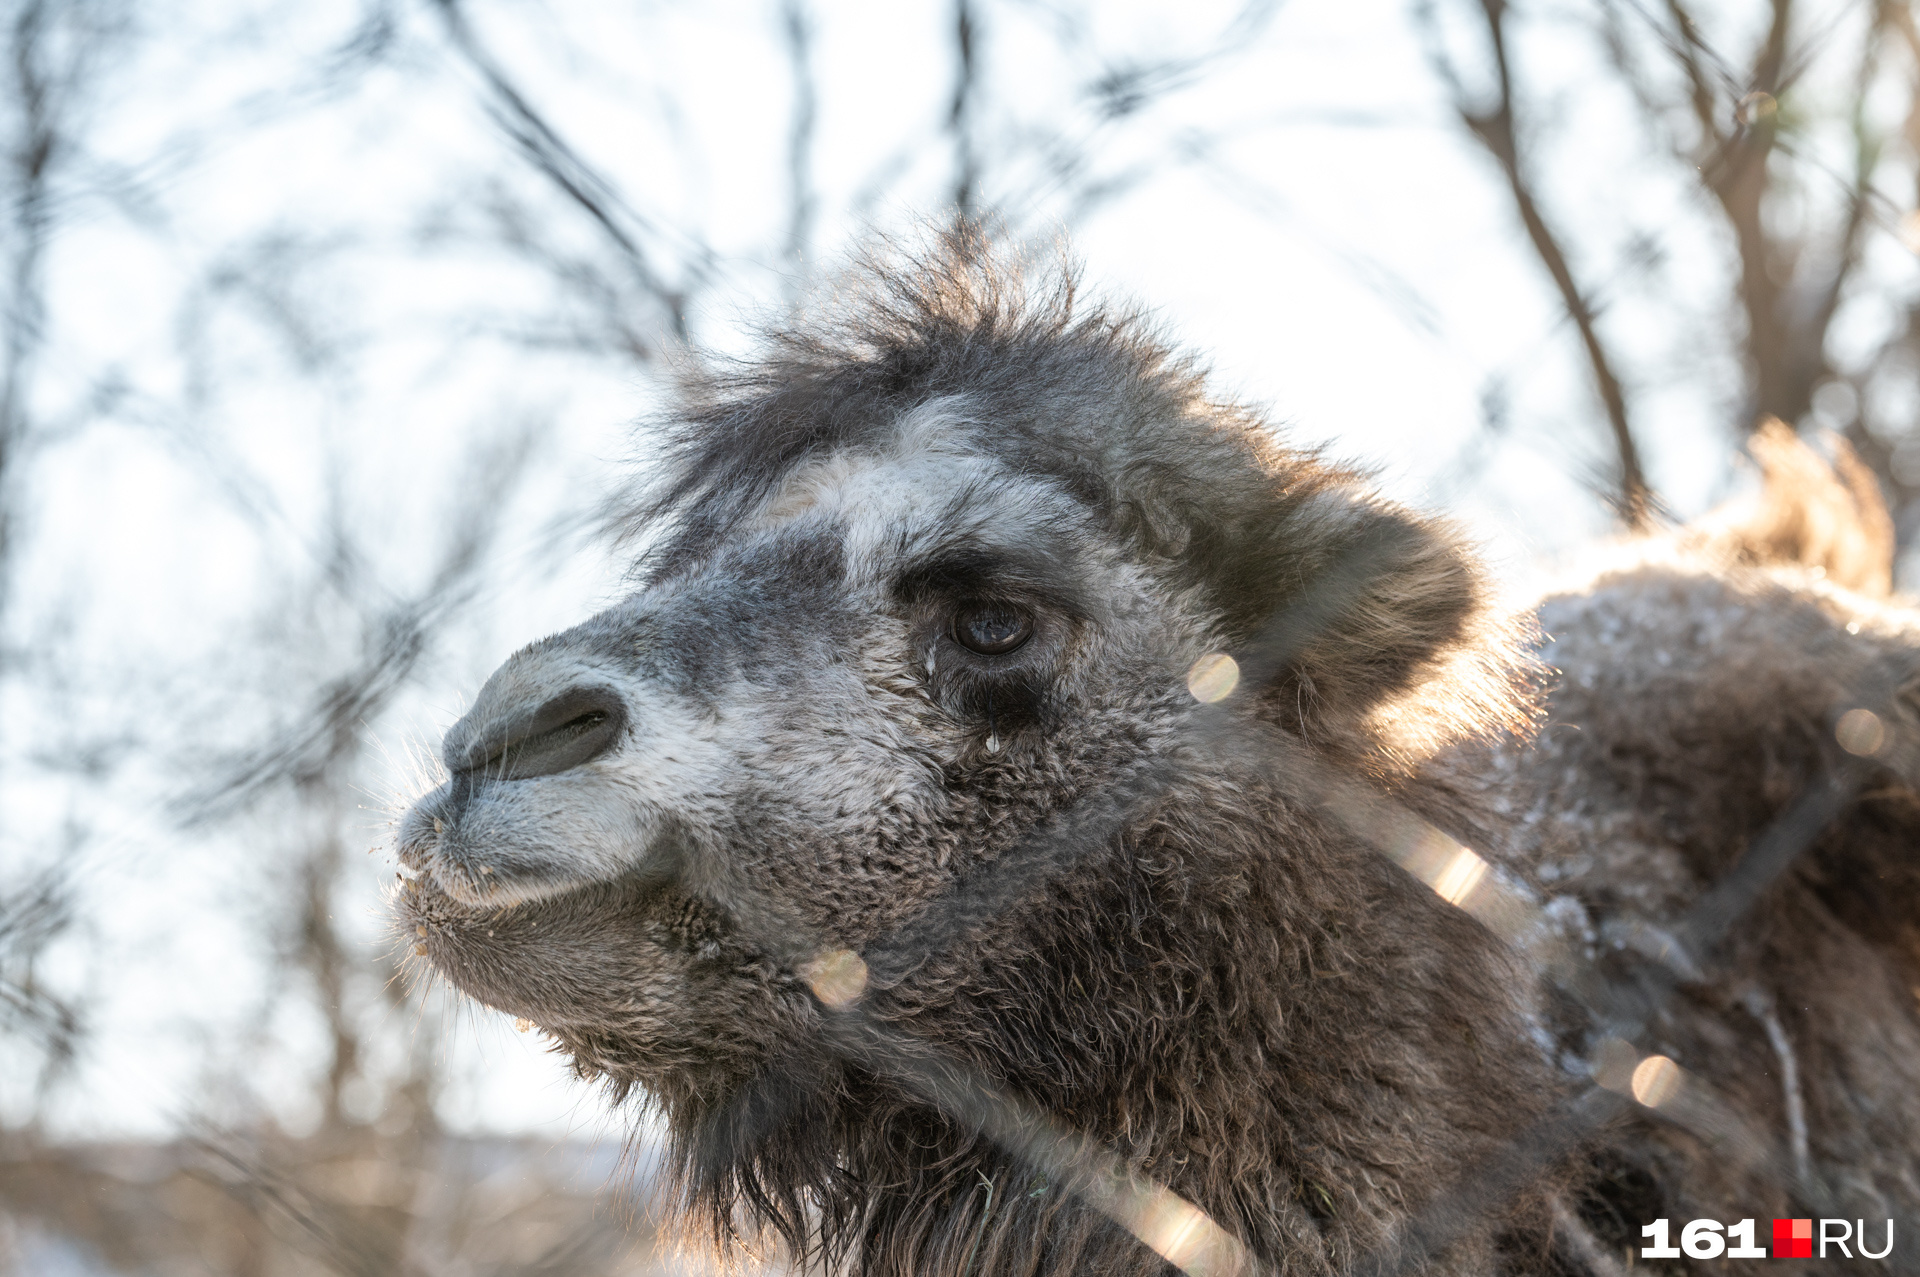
[424, 893]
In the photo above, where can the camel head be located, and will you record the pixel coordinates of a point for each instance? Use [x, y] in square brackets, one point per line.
[921, 581]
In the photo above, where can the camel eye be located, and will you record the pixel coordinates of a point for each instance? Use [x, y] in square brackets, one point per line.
[991, 629]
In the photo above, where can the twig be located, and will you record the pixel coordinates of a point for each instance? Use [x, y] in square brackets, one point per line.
[960, 121]
[1494, 128]
[802, 201]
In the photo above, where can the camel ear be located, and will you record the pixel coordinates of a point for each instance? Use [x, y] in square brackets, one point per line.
[1339, 603]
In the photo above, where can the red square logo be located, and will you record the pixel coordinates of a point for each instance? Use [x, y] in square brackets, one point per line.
[1793, 1239]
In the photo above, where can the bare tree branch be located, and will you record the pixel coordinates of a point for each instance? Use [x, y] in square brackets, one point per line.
[396, 635]
[803, 201]
[551, 155]
[1787, 313]
[32, 915]
[1494, 128]
[51, 56]
[960, 116]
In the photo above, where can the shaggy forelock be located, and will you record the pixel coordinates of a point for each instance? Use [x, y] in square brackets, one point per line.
[1051, 385]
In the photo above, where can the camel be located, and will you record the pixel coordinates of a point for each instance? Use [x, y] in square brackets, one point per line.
[1030, 819]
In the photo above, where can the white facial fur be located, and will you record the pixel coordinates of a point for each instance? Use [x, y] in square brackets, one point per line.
[821, 726]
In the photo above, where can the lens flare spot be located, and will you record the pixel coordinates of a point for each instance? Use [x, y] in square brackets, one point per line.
[1183, 1235]
[1613, 1064]
[1757, 109]
[1177, 1230]
[1861, 732]
[837, 977]
[1656, 1080]
[1459, 876]
[1213, 677]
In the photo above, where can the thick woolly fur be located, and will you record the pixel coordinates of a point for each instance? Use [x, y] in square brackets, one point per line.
[1242, 999]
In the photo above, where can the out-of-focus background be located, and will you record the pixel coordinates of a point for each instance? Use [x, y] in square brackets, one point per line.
[323, 333]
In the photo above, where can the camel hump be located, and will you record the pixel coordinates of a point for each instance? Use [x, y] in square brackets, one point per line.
[1811, 513]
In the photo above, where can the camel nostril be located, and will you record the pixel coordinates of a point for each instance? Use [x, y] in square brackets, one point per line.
[573, 728]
